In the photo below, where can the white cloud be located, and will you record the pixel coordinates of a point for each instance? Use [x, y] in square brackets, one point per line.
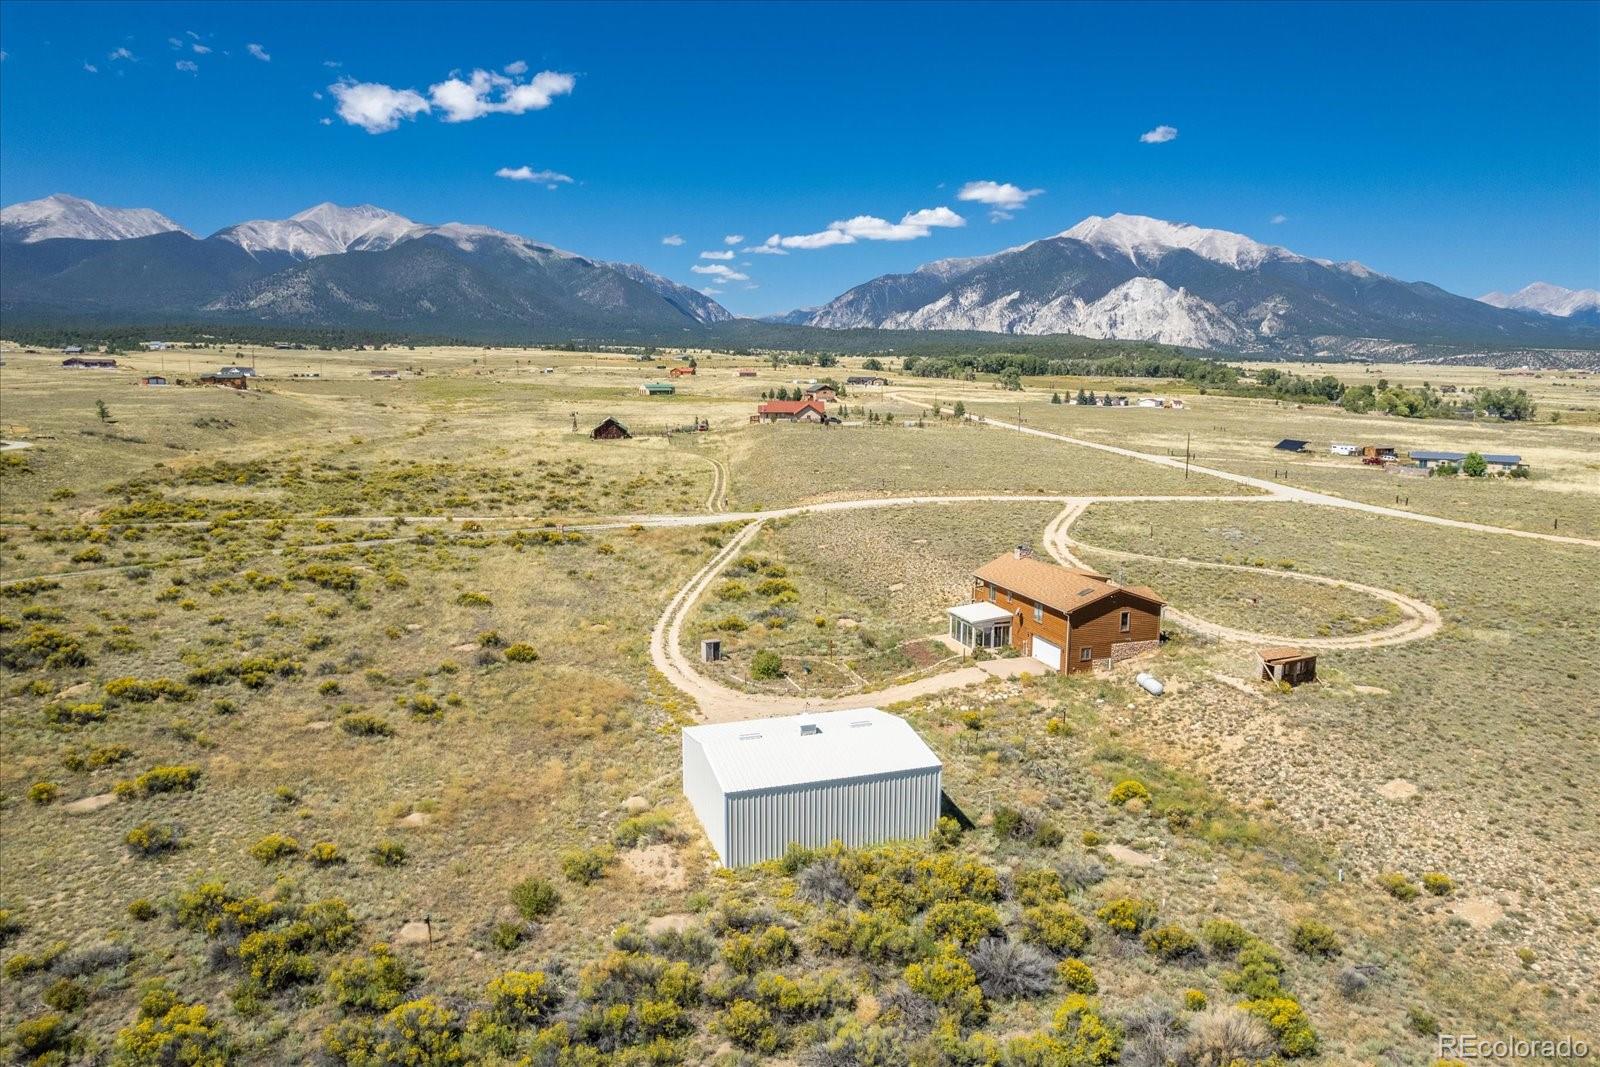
[487, 93]
[672, 239]
[1002, 195]
[259, 52]
[549, 178]
[378, 108]
[1159, 135]
[175, 43]
[711, 290]
[1279, 219]
[325, 121]
[374, 107]
[769, 247]
[187, 66]
[912, 225]
[733, 238]
[516, 69]
[121, 53]
[91, 68]
[332, 64]
[200, 49]
[717, 270]
[717, 255]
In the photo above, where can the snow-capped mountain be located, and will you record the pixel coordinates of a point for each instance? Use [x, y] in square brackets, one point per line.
[1547, 299]
[1132, 277]
[345, 266]
[63, 216]
[323, 230]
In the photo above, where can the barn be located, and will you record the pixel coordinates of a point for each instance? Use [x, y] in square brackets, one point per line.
[861, 777]
[610, 430]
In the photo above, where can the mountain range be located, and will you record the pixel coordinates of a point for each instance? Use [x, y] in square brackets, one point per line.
[1126, 277]
[1134, 277]
[69, 259]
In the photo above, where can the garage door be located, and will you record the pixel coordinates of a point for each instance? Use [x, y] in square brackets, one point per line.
[1046, 653]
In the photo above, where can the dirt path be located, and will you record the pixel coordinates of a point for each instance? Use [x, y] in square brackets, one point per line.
[1418, 619]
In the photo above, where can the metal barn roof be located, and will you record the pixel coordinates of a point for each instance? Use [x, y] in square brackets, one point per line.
[1498, 459]
[823, 747]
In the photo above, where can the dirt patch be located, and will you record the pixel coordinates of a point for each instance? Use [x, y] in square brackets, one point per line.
[676, 923]
[416, 820]
[1398, 789]
[1131, 857]
[415, 933]
[924, 653]
[1480, 913]
[90, 805]
[657, 866]
[1371, 690]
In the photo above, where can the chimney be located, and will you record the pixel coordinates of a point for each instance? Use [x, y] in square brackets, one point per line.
[1023, 552]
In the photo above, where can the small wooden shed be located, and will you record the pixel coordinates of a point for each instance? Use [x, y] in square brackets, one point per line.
[610, 430]
[1292, 666]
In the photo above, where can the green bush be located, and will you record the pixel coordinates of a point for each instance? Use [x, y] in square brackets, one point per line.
[388, 853]
[362, 725]
[375, 982]
[1083, 1035]
[1124, 791]
[75, 714]
[65, 995]
[766, 664]
[1055, 926]
[1127, 915]
[1259, 968]
[1288, 1022]
[1170, 942]
[522, 998]
[324, 854]
[650, 827]
[521, 652]
[748, 1025]
[1313, 938]
[1438, 884]
[1076, 977]
[535, 898]
[1195, 1000]
[163, 779]
[1398, 886]
[746, 953]
[147, 690]
[877, 937]
[964, 922]
[43, 793]
[585, 865]
[39, 1036]
[1038, 885]
[141, 910]
[153, 839]
[1223, 936]
[274, 847]
[949, 981]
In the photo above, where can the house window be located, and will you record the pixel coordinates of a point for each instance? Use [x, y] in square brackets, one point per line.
[991, 594]
[1127, 621]
[1087, 656]
[1038, 613]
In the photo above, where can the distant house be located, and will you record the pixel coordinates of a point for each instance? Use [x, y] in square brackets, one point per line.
[747, 374]
[1069, 620]
[1378, 452]
[1425, 459]
[227, 376]
[1291, 444]
[244, 372]
[152, 379]
[610, 430]
[658, 389]
[72, 350]
[157, 346]
[384, 372]
[791, 411]
[89, 362]
[1151, 402]
[865, 379]
[1109, 401]
[1291, 666]
[281, 346]
[825, 393]
[1176, 405]
[681, 372]
[1339, 449]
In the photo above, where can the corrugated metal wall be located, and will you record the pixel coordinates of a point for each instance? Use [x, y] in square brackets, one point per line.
[869, 811]
[705, 795]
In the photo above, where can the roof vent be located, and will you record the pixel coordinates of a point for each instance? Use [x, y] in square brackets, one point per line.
[809, 729]
[1023, 552]
[859, 723]
[749, 737]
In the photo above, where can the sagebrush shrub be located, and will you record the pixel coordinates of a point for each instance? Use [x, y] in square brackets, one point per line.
[535, 898]
[1313, 938]
[1127, 915]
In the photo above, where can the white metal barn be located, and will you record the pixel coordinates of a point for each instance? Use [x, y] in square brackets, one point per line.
[861, 777]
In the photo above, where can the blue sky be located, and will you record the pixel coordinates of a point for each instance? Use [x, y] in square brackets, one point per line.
[1454, 144]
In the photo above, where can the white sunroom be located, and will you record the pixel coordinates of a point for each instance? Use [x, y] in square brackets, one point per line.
[980, 625]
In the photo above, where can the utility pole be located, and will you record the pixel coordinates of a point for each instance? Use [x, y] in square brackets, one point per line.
[1186, 456]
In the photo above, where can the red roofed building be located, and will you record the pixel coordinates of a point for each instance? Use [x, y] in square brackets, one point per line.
[791, 411]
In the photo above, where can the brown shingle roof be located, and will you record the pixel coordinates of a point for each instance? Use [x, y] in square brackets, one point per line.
[1052, 585]
[1284, 653]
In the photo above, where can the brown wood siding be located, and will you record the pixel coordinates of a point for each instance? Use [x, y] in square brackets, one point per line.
[1052, 628]
[1098, 626]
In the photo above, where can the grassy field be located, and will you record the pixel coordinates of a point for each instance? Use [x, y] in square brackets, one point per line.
[403, 722]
